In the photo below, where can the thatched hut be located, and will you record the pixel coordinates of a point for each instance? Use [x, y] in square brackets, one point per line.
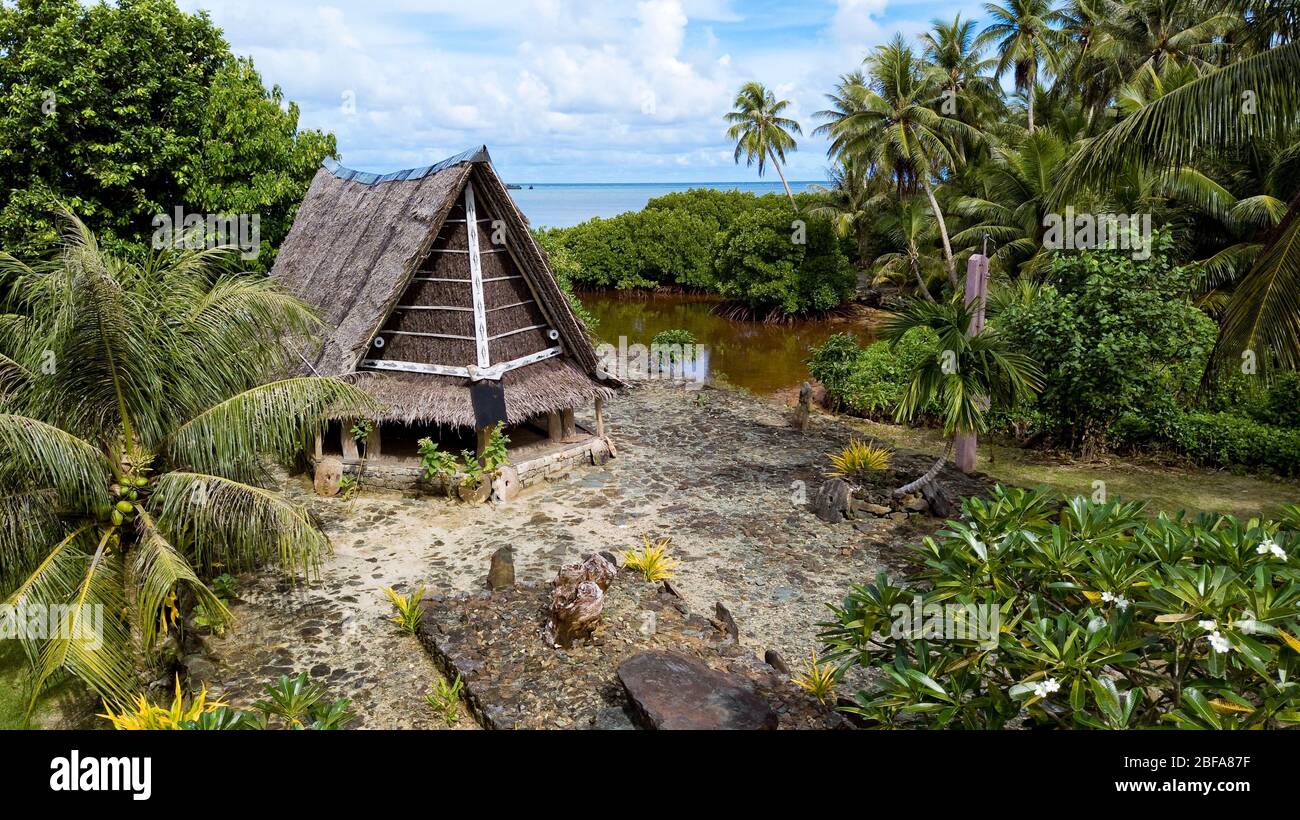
[434, 290]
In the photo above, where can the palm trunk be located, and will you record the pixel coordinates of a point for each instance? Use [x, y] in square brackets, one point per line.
[1033, 77]
[781, 174]
[943, 232]
[920, 283]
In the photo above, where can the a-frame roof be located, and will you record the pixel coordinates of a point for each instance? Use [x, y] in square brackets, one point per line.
[406, 296]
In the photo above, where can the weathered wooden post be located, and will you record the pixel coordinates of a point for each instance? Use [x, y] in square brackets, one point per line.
[977, 289]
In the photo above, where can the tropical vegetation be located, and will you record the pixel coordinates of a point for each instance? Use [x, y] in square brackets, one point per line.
[127, 111]
[1170, 127]
[1031, 612]
[138, 428]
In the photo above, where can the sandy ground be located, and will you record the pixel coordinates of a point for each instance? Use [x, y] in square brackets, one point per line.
[719, 471]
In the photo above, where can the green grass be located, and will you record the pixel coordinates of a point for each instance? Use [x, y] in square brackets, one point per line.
[13, 674]
[14, 692]
[1166, 488]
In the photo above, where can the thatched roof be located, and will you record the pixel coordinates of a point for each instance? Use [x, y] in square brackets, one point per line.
[388, 262]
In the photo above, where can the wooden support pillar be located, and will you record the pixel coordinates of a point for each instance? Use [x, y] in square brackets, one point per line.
[372, 443]
[319, 449]
[600, 420]
[568, 425]
[554, 429]
[481, 437]
[348, 443]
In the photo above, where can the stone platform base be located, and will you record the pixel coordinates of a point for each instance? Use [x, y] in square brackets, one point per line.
[533, 464]
[513, 680]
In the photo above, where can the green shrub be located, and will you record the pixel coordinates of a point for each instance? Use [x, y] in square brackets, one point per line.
[719, 208]
[1090, 616]
[673, 336]
[638, 249]
[567, 270]
[1226, 440]
[1282, 405]
[869, 382]
[760, 263]
[1113, 336]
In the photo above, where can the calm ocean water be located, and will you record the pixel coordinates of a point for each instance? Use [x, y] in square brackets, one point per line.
[562, 205]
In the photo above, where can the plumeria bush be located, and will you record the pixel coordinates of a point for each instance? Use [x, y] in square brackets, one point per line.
[1100, 616]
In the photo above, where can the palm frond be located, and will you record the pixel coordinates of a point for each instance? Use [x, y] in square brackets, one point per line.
[270, 420]
[92, 641]
[158, 572]
[1263, 312]
[29, 523]
[216, 521]
[36, 454]
[1254, 99]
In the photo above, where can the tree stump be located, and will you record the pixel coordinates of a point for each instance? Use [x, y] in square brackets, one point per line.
[803, 410]
[577, 599]
[834, 501]
[943, 504]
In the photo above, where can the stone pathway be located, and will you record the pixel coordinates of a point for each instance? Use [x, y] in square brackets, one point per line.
[719, 471]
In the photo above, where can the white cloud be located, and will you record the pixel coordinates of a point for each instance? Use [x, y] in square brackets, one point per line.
[559, 89]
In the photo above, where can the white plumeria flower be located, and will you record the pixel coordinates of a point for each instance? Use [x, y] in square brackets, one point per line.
[1268, 545]
[1118, 600]
[1208, 626]
[1046, 687]
[1219, 643]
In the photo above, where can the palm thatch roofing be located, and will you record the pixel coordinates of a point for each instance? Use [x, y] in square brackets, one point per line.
[423, 300]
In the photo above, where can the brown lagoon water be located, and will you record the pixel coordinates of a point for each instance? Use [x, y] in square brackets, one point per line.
[762, 358]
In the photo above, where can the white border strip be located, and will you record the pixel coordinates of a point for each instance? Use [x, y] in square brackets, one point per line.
[493, 373]
[476, 279]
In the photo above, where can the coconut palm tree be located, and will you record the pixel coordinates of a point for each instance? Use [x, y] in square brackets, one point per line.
[135, 426]
[1247, 102]
[1149, 36]
[1026, 40]
[760, 132]
[955, 60]
[851, 202]
[910, 226]
[890, 125]
[1015, 183]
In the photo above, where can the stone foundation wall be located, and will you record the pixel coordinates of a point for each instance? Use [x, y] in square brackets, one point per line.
[402, 478]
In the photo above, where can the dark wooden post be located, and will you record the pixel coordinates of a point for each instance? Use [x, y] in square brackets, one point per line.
[350, 454]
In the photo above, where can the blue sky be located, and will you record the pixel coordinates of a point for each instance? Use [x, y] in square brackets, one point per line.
[560, 91]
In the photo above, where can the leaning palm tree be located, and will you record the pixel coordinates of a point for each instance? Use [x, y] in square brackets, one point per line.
[1247, 102]
[135, 428]
[971, 376]
[891, 126]
[1026, 39]
[760, 132]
